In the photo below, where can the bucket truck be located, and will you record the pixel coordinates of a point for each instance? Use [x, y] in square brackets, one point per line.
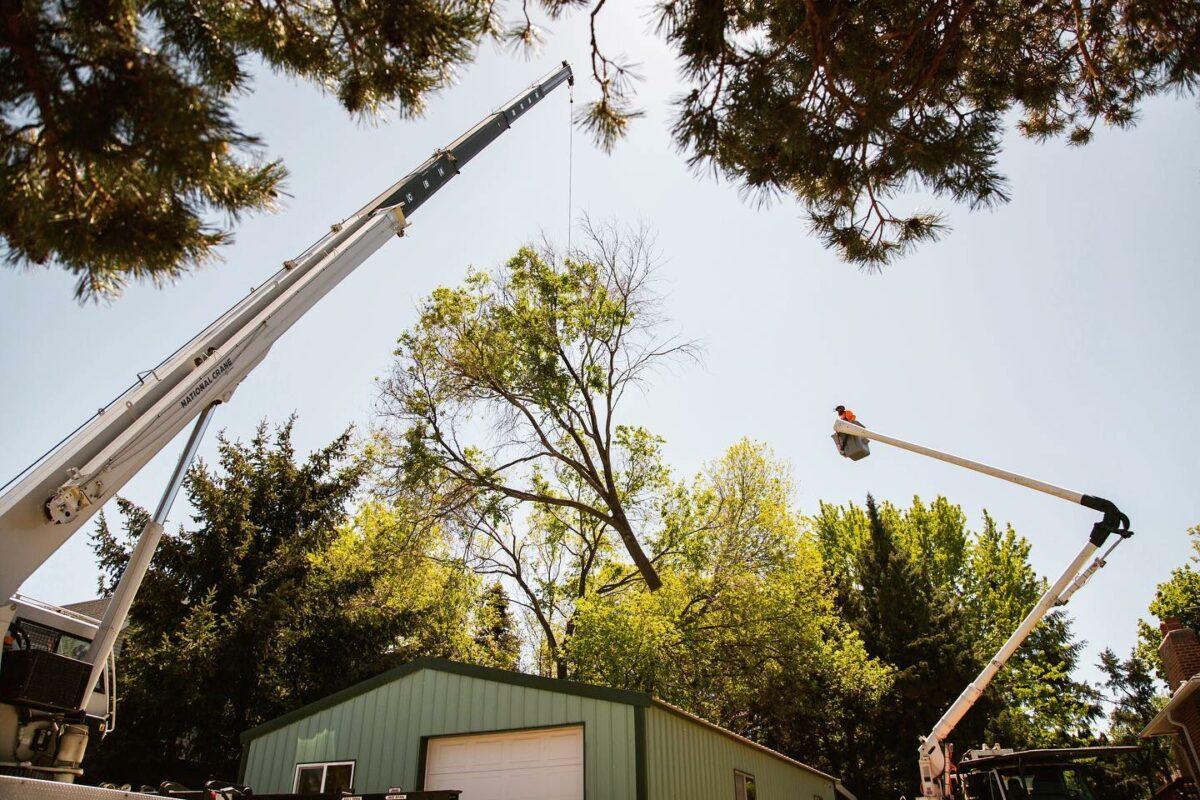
[934, 753]
[57, 676]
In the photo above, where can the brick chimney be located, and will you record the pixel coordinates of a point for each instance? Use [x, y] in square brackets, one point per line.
[1180, 652]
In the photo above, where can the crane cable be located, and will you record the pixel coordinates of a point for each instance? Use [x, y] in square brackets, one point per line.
[570, 158]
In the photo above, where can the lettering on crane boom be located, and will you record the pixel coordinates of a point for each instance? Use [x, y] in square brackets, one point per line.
[206, 382]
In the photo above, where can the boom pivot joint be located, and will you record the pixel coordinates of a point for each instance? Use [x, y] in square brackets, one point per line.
[1114, 520]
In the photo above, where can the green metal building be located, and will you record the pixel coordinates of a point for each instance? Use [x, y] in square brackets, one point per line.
[437, 724]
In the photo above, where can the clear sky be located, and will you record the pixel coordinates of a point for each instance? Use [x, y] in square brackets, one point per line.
[1055, 336]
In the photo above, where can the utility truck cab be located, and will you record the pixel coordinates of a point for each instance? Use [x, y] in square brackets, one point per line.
[1055, 774]
[48, 706]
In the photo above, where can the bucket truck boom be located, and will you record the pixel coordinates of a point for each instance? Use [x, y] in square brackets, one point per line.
[44, 691]
[935, 767]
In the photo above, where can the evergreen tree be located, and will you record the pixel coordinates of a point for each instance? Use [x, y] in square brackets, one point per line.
[496, 631]
[269, 599]
[846, 105]
[119, 144]
[1035, 701]
[934, 600]
[907, 621]
[1135, 699]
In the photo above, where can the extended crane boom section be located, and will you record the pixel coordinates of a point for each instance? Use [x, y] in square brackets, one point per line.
[55, 497]
[417, 187]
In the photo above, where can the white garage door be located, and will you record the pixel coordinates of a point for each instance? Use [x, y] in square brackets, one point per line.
[525, 765]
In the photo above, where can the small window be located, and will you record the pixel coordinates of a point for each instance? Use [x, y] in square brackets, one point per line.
[324, 777]
[743, 786]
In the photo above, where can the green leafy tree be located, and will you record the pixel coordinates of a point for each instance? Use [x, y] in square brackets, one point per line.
[744, 631]
[509, 388]
[1178, 597]
[272, 597]
[934, 601]
[386, 589]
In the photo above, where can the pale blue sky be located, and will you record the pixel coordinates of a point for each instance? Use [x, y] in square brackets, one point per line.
[1055, 336]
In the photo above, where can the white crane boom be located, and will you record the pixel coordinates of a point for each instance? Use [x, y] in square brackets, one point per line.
[44, 506]
[57, 495]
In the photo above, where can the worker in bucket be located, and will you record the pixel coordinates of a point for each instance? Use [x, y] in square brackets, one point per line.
[852, 447]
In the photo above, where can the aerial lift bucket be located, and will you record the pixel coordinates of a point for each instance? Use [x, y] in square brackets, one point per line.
[852, 447]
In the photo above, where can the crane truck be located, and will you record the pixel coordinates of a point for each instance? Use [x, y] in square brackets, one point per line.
[1001, 773]
[57, 671]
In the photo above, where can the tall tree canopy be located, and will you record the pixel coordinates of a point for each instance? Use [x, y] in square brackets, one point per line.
[1178, 597]
[273, 597]
[120, 145]
[119, 141]
[509, 387]
[845, 105]
[745, 630]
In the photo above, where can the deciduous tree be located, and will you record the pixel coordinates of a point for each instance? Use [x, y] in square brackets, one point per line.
[510, 387]
[745, 631]
[1178, 597]
[554, 557]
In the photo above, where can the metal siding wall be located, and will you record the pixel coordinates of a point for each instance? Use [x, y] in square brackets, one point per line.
[381, 730]
[687, 760]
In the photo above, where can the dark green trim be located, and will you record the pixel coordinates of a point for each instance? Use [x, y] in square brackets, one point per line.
[639, 752]
[639, 699]
[423, 750]
[241, 778]
[422, 754]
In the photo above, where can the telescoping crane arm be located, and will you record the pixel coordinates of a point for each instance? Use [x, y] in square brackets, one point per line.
[934, 766]
[58, 494]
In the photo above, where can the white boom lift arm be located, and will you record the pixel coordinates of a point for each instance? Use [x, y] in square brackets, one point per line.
[59, 493]
[933, 762]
